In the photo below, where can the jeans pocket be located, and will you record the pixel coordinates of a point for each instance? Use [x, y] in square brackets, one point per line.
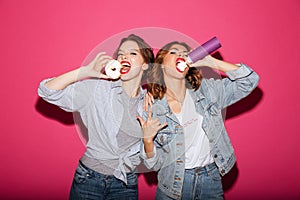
[81, 175]
[215, 175]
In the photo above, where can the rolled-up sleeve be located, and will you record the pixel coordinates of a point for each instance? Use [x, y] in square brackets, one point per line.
[238, 84]
[72, 98]
[149, 162]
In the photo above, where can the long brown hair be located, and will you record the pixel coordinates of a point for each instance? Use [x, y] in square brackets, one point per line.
[144, 48]
[156, 83]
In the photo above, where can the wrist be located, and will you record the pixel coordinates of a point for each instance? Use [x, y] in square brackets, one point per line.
[83, 72]
[149, 148]
[148, 141]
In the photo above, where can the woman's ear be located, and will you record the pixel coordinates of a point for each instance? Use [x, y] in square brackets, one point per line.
[145, 66]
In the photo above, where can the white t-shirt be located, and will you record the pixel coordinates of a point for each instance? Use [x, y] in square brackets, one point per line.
[197, 151]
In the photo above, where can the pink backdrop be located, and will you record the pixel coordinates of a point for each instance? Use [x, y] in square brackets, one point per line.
[40, 146]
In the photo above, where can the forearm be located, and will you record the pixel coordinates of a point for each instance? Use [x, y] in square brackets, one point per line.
[153, 160]
[62, 81]
[223, 66]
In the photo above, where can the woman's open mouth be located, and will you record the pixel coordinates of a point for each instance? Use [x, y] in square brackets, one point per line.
[180, 64]
[125, 67]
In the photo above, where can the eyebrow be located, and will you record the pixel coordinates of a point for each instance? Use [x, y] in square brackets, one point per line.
[177, 50]
[129, 50]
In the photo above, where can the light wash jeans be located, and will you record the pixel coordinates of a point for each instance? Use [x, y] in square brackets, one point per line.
[89, 184]
[199, 183]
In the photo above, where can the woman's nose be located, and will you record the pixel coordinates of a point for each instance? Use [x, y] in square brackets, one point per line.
[124, 57]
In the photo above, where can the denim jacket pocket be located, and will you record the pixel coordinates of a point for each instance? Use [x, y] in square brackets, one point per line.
[163, 139]
[213, 109]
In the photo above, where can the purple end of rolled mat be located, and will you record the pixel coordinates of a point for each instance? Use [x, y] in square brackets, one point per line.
[205, 49]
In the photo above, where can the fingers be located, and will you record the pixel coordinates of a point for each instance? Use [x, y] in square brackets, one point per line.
[150, 114]
[103, 76]
[145, 104]
[148, 101]
[98, 64]
[157, 125]
[142, 122]
[207, 61]
[163, 125]
[100, 54]
[151, 97]
[102, 61]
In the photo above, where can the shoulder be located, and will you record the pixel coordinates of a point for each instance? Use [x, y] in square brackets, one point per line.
[160, 107]
[208, 86]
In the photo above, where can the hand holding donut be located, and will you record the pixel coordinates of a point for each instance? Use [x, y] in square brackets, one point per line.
[112, 69]
[96, 67]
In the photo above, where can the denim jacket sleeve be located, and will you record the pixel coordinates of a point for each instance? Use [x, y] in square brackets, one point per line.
[238, 84]
[156, 162]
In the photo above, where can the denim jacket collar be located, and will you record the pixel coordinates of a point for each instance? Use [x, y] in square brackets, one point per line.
[163, 109]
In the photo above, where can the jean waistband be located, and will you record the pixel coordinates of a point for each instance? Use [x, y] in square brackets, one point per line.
[91, 171]
[98, 174]
[203, 169]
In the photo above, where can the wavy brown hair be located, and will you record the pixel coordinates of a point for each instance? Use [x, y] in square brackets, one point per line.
[156, 83]
[144, 48]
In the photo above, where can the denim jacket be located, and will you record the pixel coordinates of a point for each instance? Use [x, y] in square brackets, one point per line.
[210, 99]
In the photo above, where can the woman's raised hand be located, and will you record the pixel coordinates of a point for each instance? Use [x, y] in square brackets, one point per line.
[207, 61]
[150, 127]
[96, 67]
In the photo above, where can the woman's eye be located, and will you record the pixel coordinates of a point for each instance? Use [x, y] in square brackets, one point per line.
[133, 53]
[172, 52]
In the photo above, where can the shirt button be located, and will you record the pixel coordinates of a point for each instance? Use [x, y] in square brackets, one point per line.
[215, 156]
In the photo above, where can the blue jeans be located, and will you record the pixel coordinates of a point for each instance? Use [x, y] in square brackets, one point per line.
[89, 184]
[199, 183]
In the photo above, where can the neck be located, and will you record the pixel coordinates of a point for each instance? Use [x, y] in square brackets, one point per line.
[132, 87]
[175, 89]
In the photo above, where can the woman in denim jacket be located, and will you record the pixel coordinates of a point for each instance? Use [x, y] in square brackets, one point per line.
[184, 135]
[108, 110]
